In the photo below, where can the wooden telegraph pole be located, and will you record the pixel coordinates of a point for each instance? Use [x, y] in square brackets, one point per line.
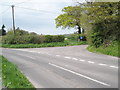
[13, 18]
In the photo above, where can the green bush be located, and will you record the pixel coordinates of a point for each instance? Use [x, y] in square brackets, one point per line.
[33, 39]
[104, 32]
[58, 38]
[48, 38]
[8, 39]
[53, 38]
[97, 39]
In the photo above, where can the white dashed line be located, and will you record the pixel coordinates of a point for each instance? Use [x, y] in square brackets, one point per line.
[30, 57]
[113, 67]
[82, 60]
[67, 57]
[101, 64]
[91, 62]
[57, 55]
[78, 74]
[74, 58]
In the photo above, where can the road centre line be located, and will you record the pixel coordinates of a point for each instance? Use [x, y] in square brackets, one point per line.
[57, 55]
[74, 58]
[114, 67]
[78, 74]
[101, 64]
[82, 60]
[68, 57]
[91, 62]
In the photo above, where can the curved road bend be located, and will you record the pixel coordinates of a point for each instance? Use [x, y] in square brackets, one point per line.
[65, 67]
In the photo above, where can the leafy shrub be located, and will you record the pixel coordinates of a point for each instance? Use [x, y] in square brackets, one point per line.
[48, 38]
[53, 38]
[8, 39]
[97, 39]
[34, 39]
[58, 38]
[104, 32]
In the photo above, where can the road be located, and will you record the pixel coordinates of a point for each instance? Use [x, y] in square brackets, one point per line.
[65, 67]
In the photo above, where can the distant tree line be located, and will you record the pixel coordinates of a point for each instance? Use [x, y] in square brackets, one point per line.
[25, 37]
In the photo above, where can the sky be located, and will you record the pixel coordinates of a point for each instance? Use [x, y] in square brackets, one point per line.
[35, 15]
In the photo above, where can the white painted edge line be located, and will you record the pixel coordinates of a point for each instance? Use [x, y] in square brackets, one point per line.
[79, 74]
[82, 60]
[75, 59]
[101, 64]
[67, 57]
[91, 62]
[114, 67]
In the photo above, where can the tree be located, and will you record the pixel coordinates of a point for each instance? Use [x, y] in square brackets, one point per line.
[103, 16]
[70, 18]
[3, 31]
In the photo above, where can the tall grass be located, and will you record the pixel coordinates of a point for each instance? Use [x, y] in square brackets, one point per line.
[109, 50]
[12, 77]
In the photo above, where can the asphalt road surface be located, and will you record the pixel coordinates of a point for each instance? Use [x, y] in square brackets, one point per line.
[65, 67]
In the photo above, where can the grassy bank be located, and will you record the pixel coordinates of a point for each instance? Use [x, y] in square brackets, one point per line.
[55, 44]
[12, 77]
[109, 50]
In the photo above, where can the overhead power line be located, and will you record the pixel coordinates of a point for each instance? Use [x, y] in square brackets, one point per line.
[4, 4]
[5, 10]
[22, 2]
[41, 11]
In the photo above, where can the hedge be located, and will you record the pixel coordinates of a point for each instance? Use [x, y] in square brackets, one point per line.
[34, 39]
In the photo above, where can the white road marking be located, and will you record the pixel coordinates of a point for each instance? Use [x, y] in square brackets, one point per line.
[82, 60]
[74, 58]
[79, 74]
[91, 62]
[101, 64]
[26, 56]
[114, 67]
[57, 55]
[67, 57]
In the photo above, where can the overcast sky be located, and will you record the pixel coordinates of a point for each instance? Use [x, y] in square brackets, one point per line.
[35, 15]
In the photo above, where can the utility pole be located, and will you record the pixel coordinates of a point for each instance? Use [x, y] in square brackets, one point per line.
[13, 19]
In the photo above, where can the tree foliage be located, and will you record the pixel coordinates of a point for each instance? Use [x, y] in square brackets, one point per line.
[103, 16]
[2, 31]
[99, 19]
[70, 18]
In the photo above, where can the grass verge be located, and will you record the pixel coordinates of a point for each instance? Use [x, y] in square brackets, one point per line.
[109, 50]
[12, 77]
[55, 44]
